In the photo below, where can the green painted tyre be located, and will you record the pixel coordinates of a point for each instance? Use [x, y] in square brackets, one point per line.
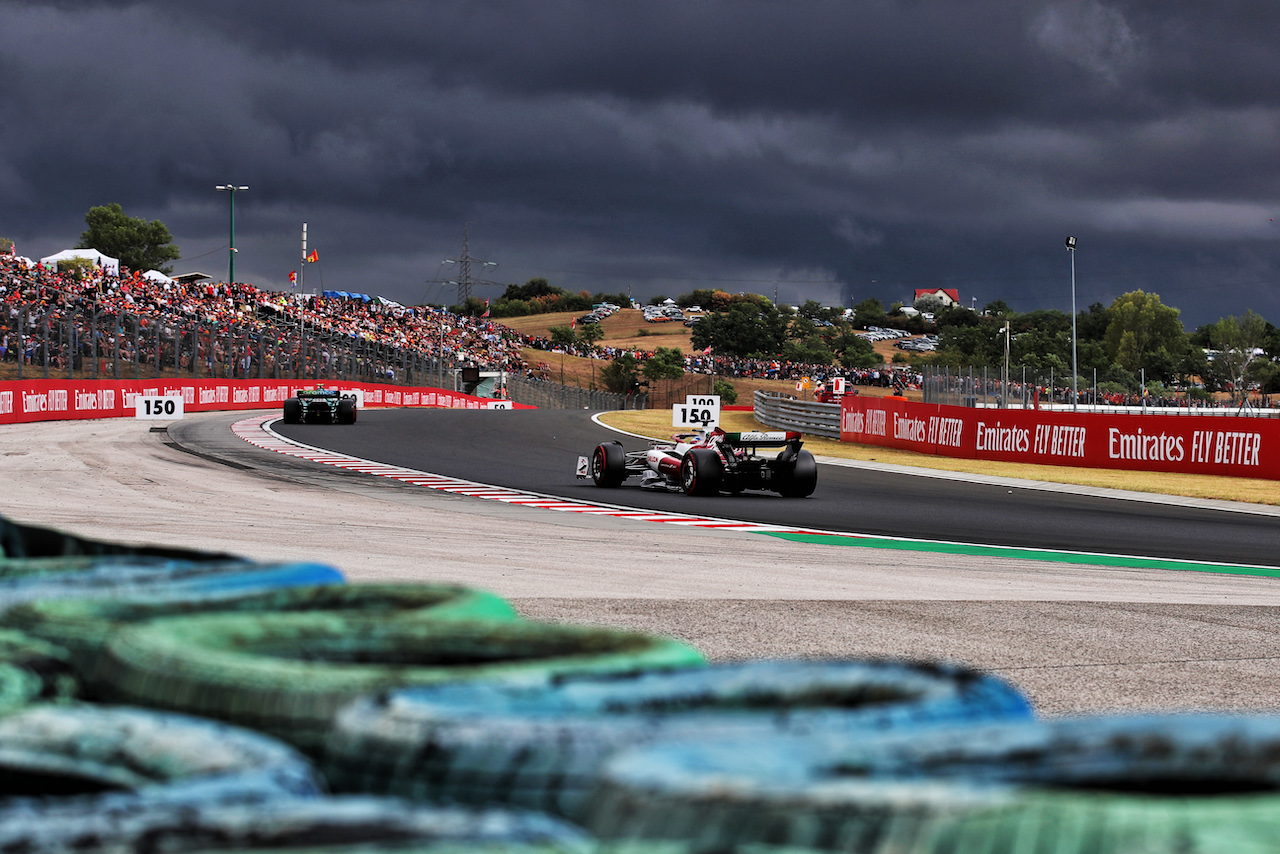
[288, 674]
[33, 670]
[139, 823]
[543, 746]
[1197, 784]
[51, 751]
[83, 625]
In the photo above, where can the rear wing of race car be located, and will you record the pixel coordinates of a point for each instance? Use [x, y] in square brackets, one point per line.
[757, 439]
[319, 393]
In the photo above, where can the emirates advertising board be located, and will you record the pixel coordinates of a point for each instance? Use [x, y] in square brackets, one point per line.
[1189, 444]
[23, 401]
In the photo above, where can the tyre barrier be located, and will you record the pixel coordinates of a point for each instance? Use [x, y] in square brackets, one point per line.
[288, 674]
[33, 670]
[41, 563]
[117, 825]
[19, 541]
[83, 625]
[1197, 784]
[107, 577]
[48, 753]
[543, 746]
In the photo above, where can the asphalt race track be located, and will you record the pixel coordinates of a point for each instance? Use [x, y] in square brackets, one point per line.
[536, 450]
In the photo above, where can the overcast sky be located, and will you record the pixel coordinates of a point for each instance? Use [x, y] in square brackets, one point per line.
[831, 150]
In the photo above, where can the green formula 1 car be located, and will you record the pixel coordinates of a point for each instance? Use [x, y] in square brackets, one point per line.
[320, 406]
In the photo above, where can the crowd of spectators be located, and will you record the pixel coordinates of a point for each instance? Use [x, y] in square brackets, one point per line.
[95, 312]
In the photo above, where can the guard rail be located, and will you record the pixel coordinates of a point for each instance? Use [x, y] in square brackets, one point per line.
[787, 413]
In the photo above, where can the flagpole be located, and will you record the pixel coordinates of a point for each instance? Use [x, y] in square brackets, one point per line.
[302, 268]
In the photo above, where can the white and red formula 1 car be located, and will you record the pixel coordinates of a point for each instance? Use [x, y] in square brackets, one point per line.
[707, 463]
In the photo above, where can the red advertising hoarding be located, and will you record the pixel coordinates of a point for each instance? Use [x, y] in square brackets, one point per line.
[56, 400]
[1191, 444]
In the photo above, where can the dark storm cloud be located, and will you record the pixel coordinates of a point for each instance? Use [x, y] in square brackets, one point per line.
[831, 150]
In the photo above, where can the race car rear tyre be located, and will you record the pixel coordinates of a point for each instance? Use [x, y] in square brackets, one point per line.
[82, 626]
[701, 472]
[609, 464]
[802, 480]
[293, 411]
[288, 673]
[347, 411]
[543, 746]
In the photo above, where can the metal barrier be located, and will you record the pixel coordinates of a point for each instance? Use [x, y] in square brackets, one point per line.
[548, 395]
[787, 413]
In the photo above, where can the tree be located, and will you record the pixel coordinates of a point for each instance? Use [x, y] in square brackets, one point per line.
[859, 353]
[6, 245]
[590, 333]
[931, 303]
[667, 363]
[1238, 344]
[140, 245]
[77, 268]
[563, 336]
[471, 307]
[810, 350]
[621, 374]
[532, 289]
[728, 394]
[814, 310]
[869, 312]
[744, 328]
[1145, 333]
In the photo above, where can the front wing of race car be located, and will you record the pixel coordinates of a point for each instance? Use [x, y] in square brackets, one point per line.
[719, 462]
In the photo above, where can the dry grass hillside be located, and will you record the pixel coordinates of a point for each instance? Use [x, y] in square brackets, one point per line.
[628, 330]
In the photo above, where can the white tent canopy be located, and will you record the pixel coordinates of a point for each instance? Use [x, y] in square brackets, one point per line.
[106, 262]
[157, 276]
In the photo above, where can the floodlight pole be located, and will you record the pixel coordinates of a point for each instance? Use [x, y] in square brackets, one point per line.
[1075, 397]
[231, 261]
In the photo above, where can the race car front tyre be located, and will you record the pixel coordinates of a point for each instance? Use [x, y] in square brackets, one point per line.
[701, 472]
[609, 464]
[802, 480]
[347, 411]
[293, 411]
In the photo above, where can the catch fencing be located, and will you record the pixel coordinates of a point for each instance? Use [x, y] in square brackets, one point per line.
[1029, 388]
[548, 395]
